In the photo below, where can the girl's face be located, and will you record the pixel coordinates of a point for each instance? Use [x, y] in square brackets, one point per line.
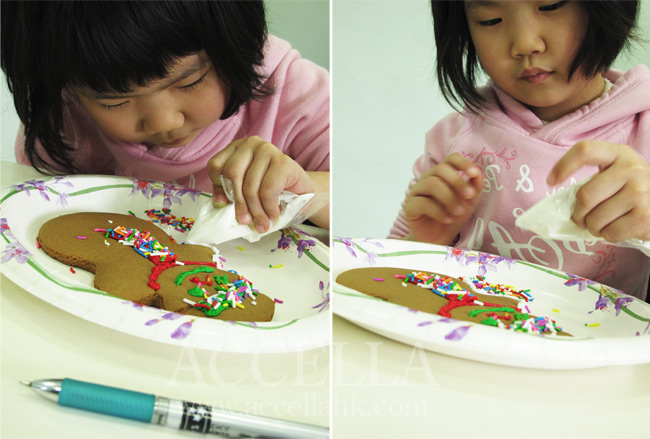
[527, 48]
[169, 112]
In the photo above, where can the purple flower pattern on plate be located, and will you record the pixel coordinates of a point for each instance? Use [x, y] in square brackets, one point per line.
[289, 237]
[581, 282]
[14, 250]
[171, 193]
[349, 245]
[183, 331]
[5, 230]
[166, 316]
[458, 333]
[325, 296]
[485, 261]
[43, 189]
[371, 256]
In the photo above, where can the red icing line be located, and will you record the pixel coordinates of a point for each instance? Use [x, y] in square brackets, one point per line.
[161, 266]
[156, 271]
[201, 305]
[454, 302]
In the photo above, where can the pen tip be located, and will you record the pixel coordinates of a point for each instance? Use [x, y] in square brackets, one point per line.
[27, 383]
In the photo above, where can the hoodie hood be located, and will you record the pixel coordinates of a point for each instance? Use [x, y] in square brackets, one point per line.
[629, 96]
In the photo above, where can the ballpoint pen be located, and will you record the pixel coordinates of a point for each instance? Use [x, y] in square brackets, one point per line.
[159, 410]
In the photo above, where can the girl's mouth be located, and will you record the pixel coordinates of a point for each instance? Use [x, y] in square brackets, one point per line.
[175, 142]
[534, 75]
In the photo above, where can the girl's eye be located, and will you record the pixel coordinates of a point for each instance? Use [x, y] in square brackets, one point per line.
[112, 107]
[491, 22]
[195, 83]
[552, 6]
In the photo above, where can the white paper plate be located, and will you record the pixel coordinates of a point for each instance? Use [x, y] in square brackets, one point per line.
[297, 273]
[608, 326]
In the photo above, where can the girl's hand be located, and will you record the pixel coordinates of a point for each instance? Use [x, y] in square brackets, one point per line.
[443, 200]
[615, 203]
[259, 172]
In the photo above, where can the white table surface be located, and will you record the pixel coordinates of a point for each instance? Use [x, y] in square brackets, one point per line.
[41, 341]
[385, 389]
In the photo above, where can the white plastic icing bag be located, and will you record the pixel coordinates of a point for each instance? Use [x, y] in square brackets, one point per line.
[551, 218]
[215, 225]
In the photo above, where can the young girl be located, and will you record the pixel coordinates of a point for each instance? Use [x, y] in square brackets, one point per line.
[171, 91]
[551, 113]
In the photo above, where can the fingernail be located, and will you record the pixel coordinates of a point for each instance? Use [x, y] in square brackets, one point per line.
[550, 180]
[260, 228]
[469, 192]
[244, 219]
[219, 200]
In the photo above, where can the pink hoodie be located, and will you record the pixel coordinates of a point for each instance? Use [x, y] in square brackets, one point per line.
[295, 118]
[516, 151]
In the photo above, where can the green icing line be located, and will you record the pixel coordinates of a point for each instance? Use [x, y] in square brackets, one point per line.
[196, 292]
[490, 321]
[221, 279]
[503, 308]
[181, 276]
[212, 312]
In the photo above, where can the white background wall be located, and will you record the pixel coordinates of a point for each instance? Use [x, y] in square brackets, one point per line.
[304, 23]
[385, 98]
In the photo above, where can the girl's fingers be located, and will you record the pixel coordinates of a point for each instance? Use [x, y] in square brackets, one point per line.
[435, 189]
[462, 164]
[416, 207]
[219, 198]
[620, 230]
[440, 193]
[623, 216]
[259, 172]
[600, 188]
[232, 163]
[280, 176]
[457, 179]
[606, 214]
[251, 187]
[584, 153]
[214, 168]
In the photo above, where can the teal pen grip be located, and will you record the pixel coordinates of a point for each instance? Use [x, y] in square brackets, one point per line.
[107, 400]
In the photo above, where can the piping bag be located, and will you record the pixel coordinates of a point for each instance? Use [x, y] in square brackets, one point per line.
[215, 225]
[551, 218]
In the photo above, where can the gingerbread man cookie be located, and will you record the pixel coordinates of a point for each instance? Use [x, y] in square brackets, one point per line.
[135, 260]
[450, 297]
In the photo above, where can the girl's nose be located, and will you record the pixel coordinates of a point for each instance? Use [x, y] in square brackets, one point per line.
[161, 118]
[526, 41]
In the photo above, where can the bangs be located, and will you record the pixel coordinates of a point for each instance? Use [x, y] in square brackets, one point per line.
[118, 46]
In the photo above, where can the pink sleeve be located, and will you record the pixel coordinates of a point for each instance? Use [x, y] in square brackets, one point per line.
[439, 142]
[308, 113]
[299, 106]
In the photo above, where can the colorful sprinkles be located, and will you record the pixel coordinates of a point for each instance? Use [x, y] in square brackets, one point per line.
[164, 216]
[227, 294]
[512, 318]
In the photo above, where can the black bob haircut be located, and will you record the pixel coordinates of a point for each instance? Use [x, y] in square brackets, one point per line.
[609, 29]
[118, 45]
